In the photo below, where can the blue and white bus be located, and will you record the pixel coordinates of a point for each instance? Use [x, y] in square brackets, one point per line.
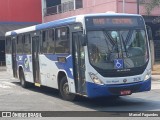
[92, 55]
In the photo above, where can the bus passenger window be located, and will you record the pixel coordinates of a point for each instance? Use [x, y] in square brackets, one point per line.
[20, 44]
[27, 44]
[62, 40]
[44, 41]
[51, 44]
[8, 45]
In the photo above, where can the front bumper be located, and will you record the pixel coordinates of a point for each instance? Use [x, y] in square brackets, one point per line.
[94, 90]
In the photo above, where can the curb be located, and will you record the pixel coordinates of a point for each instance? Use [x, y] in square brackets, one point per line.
[156, 77]
[155, 73]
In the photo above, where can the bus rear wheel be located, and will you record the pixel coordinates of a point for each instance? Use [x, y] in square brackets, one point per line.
[23, 82]
[64, 90]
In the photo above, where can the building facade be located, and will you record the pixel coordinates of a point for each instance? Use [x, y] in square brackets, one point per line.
[65, 8]
[15, 14]
[20, 11]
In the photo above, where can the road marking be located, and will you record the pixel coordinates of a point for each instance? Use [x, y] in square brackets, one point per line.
[5, 84]
[4, 79]
[8, 83]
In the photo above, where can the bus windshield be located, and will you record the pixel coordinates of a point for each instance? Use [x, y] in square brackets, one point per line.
[106, 46]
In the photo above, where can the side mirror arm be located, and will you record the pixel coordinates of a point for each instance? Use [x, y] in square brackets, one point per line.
[83, 39]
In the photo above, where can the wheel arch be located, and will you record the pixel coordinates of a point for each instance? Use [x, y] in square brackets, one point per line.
[61, 74]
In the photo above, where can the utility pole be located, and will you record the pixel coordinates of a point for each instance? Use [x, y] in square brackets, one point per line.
[137, 6]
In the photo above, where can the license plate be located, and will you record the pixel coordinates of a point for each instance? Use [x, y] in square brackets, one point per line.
[125, 92]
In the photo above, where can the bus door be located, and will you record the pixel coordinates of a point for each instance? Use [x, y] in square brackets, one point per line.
[14, 60]
[35, 59]
[79, 63]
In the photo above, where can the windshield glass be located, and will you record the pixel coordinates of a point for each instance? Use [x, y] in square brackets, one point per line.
[117, 49]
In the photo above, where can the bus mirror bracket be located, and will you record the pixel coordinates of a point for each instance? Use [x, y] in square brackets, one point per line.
[83, 39]
[149, 31]
[150, 36]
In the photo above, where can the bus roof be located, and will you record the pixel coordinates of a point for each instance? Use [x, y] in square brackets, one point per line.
[65, 21]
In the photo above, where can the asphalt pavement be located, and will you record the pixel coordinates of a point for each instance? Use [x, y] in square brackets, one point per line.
[15, 98]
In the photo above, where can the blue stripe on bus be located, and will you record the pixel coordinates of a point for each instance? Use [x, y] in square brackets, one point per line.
[56, 23]
[61, 22]
[66, 66]
[13, 33]
[63, 66]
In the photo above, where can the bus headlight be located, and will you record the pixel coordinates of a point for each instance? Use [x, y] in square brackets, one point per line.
[148, 75]
[95, 79]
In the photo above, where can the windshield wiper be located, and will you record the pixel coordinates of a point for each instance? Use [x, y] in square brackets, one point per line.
[129, 37]
[110, 38]
[124, 45]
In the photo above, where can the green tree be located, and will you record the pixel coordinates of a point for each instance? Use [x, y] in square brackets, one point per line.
[149, 5]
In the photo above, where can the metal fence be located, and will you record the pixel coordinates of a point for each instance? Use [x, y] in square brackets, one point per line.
[64, 7]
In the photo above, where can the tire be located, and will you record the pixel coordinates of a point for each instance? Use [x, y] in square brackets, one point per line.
[115, 97]
[64, 90]
[23, 82]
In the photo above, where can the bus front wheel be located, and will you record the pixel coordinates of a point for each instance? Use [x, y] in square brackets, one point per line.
[64, 90]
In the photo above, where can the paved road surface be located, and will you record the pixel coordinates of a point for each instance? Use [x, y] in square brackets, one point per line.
[15, 98]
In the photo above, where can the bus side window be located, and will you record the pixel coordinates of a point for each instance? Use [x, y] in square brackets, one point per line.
[8, 45]
[44, 41]
[19, 44]
[27, 44]
[51, 43]
[62, 40]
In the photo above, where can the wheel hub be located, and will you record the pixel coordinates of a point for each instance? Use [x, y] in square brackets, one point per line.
[66, 88]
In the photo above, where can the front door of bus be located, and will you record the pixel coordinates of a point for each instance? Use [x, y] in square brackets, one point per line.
[14, 60]
[79, 63]
[35, 59]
